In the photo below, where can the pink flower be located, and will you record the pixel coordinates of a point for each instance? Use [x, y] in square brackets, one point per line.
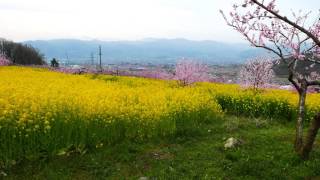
[4, 61]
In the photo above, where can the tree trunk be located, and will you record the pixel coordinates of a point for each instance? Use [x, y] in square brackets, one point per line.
[301, 115]
[311, 137]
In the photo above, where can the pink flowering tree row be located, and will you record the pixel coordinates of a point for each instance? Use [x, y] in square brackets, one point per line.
[157, 74]
[292, 40]
[186, 72]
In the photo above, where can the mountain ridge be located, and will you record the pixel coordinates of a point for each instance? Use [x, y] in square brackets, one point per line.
[149, 50]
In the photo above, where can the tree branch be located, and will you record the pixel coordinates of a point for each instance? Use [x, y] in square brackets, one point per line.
[285, 19]
[295, 84]
[312, 60]
[304, 40]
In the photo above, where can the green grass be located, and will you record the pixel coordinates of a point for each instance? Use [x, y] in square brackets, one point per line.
[267, 153]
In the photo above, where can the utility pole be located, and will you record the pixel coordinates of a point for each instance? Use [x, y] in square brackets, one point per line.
[100, 54]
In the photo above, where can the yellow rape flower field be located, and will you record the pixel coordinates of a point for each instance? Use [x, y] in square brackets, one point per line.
[44, 112]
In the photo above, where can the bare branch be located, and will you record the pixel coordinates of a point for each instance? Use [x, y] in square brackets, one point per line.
[307, 38]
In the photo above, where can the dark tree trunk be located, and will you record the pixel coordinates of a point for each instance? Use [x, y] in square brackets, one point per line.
[303, 146]
[311, 137]
[301, 115]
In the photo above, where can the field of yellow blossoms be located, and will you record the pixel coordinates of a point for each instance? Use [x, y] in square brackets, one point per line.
[44, 113]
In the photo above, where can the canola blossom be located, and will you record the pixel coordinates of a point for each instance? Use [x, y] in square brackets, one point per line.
[268, 103]
[44, 112]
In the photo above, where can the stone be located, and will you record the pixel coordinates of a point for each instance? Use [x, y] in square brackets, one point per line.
[143, 178]
[232, 143]
[2, 173]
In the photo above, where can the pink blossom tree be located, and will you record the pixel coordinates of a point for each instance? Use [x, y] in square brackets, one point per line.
[188, 72]
[292, 40]
[257, 73]
[4, 61]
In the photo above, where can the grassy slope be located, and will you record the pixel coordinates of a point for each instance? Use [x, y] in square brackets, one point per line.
[267, 153]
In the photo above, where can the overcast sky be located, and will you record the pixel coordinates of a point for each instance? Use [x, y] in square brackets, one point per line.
[124, 19]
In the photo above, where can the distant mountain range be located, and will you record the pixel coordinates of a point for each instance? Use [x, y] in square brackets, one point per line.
[155, 51]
